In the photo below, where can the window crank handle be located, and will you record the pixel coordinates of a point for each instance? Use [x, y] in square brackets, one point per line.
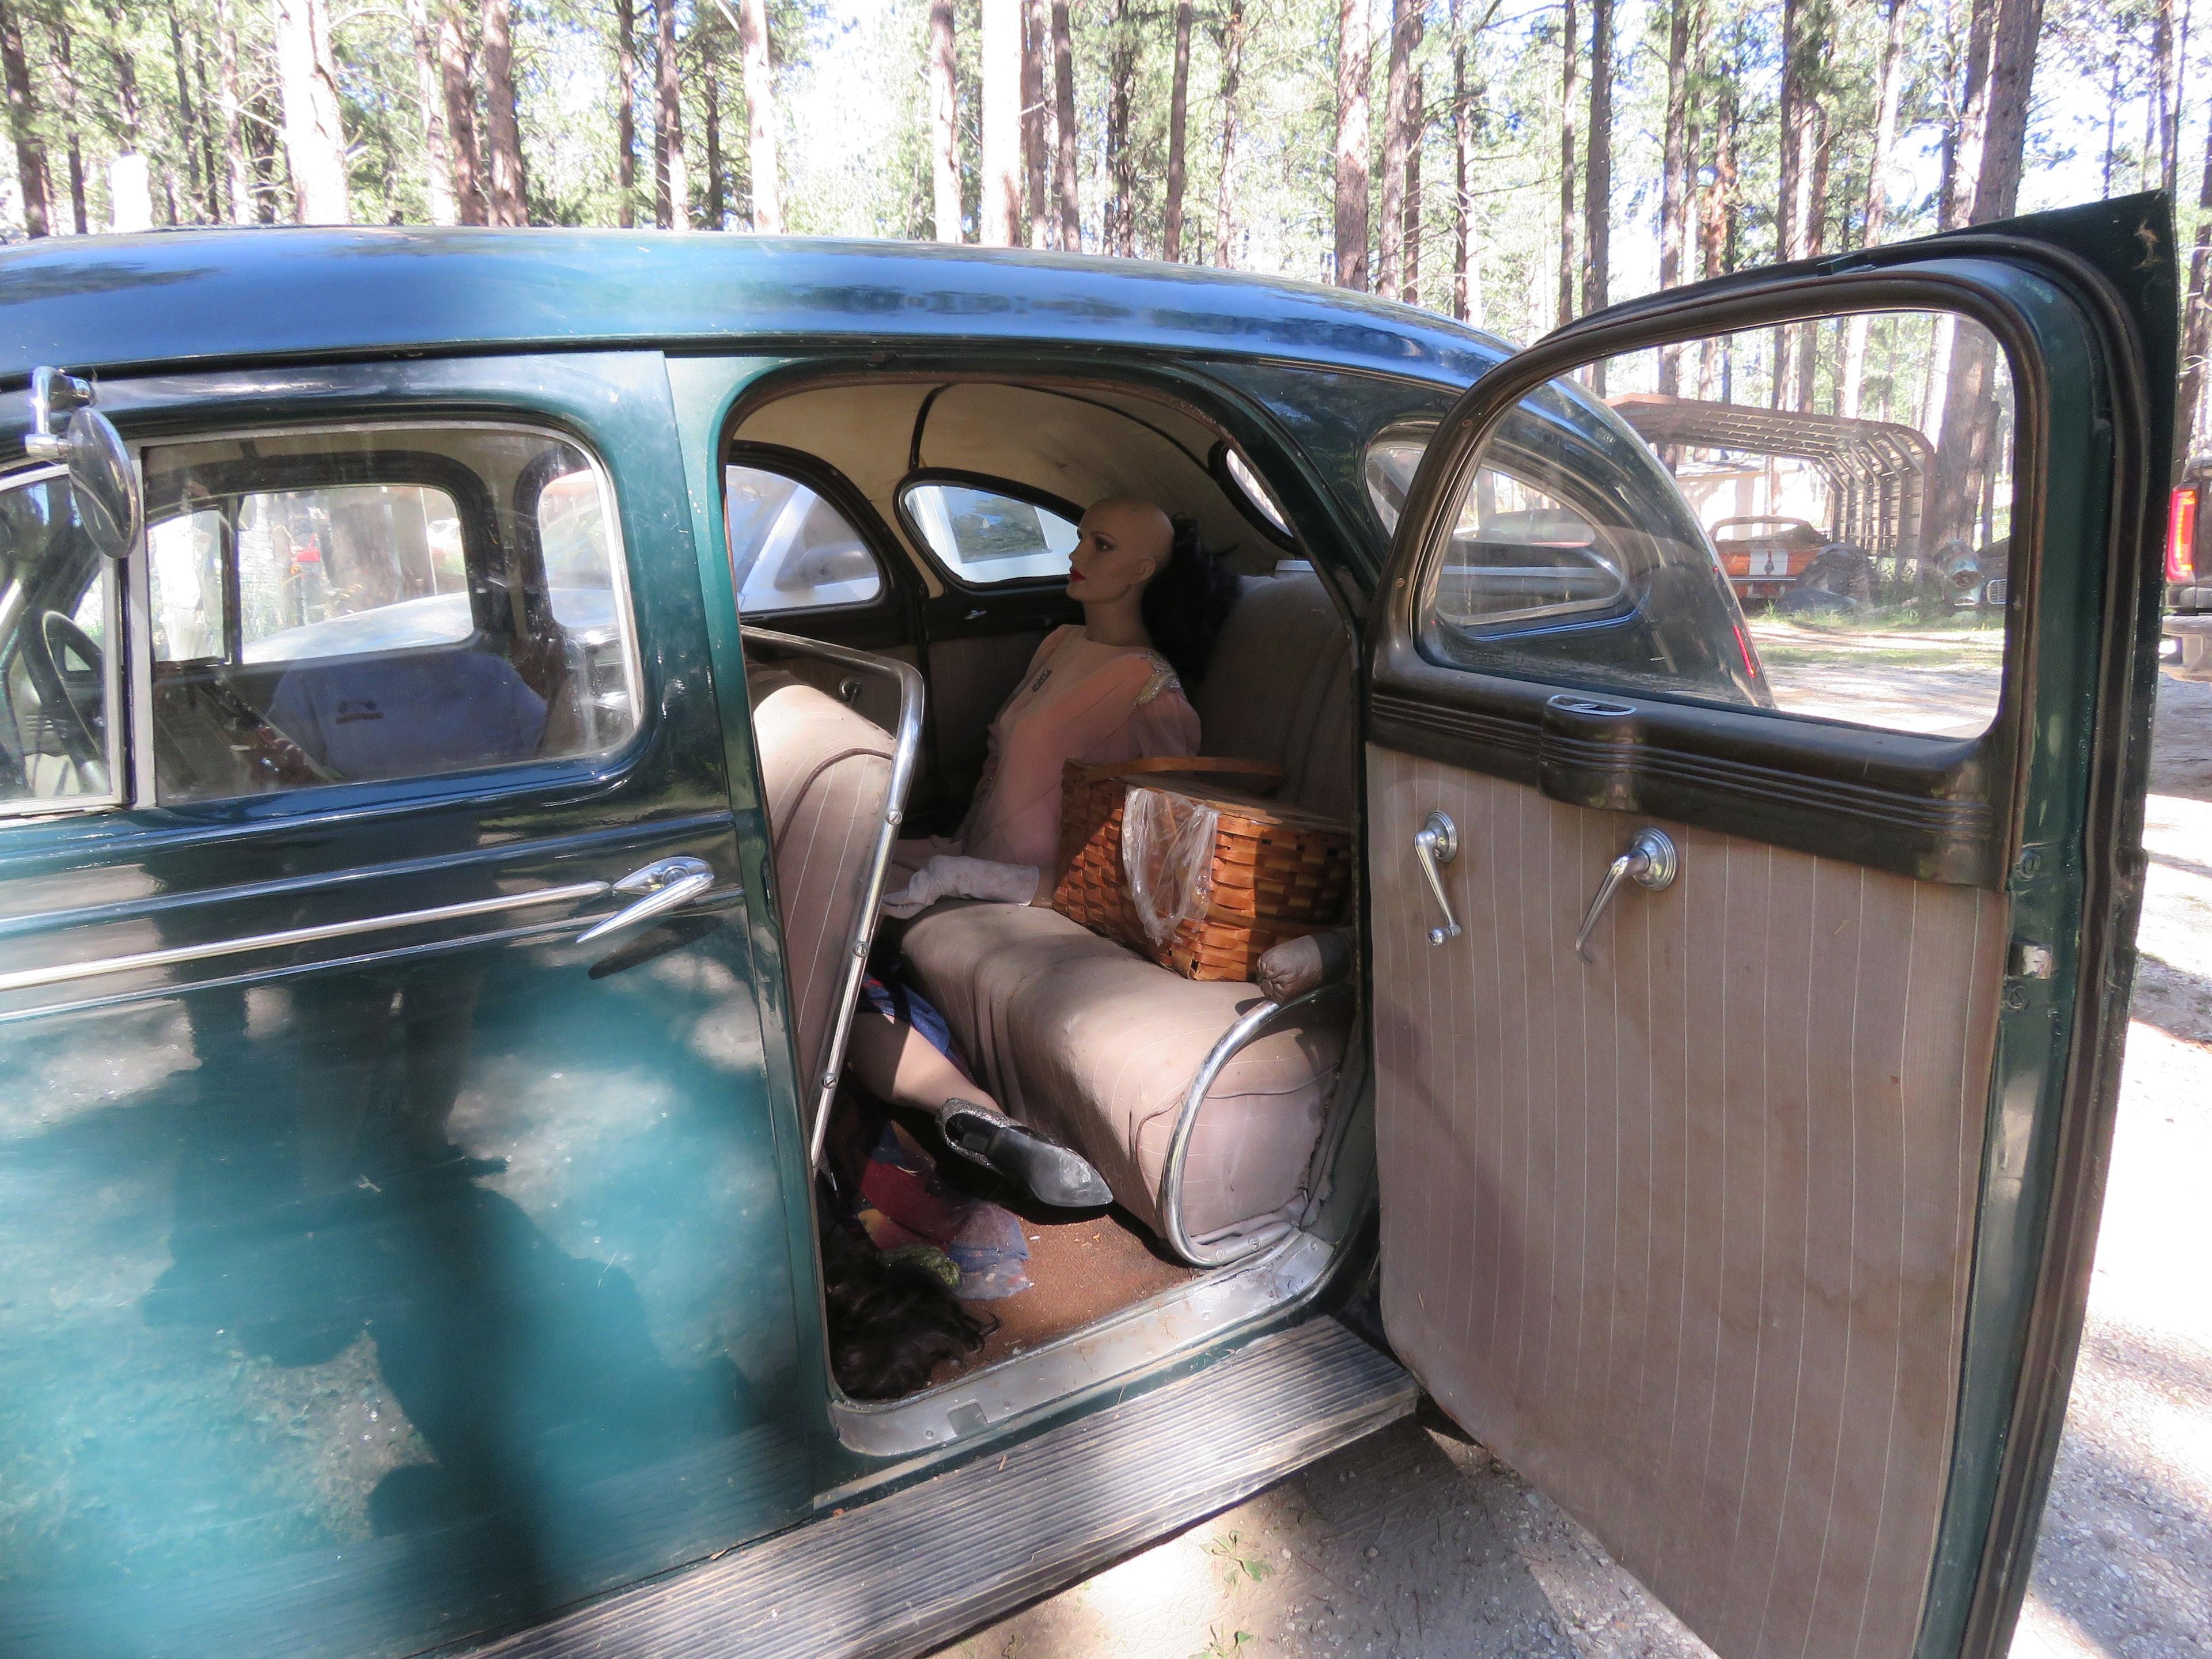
[1437, 842]
[1652, 861]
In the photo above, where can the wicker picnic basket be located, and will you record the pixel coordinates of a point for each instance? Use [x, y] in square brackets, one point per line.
[1277, 872]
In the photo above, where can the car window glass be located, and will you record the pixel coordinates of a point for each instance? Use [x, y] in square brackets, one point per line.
[789, 548]
[1256, 494]
[384, 603]
[982, 536]
[1814, 518]
[57, 672]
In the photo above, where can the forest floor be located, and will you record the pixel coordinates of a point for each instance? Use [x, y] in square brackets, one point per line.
[1417, 1544]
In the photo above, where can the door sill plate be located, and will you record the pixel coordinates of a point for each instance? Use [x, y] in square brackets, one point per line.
[907, 1572]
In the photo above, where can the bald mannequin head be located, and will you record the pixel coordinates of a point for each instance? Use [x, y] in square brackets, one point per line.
[1124, 542]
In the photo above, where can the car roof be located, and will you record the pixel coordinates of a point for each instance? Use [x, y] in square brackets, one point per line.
[204, 298]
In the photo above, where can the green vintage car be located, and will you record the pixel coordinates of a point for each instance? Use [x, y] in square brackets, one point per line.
[458, 691]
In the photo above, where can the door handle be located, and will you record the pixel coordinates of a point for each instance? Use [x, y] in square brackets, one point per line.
[664, 885]
[1437, 842]
[1652, 861]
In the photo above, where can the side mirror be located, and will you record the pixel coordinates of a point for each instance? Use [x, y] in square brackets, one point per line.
[102, 481]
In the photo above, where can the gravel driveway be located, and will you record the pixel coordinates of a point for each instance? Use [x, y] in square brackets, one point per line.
[1416, 1544]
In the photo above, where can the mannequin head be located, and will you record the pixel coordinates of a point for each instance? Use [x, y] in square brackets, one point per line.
[1123, 543]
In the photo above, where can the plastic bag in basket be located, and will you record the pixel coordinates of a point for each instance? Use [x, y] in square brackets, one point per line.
[1167, 853]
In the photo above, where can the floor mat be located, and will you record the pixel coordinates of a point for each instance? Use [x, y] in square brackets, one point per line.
[1080, 1270]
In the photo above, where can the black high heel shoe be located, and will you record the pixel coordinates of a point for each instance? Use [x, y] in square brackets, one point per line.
[1053, 1173]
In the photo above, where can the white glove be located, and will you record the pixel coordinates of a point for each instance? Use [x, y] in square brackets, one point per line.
[947, 876]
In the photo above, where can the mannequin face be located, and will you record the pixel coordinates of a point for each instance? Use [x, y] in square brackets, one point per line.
[1122, 545]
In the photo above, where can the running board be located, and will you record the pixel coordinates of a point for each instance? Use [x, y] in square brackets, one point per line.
[905, 1573]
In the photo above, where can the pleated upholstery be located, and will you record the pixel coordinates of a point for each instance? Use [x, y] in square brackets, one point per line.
[1684, 1234]
[1096, 1046]
[825, 772]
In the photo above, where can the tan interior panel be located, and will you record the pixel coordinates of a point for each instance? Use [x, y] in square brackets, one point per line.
[1683, 1233]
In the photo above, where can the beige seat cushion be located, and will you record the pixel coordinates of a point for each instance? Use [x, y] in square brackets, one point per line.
[1096, 1046]
[825, 773]
[1279, 689]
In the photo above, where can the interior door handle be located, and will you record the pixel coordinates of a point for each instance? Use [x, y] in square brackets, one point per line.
[663, 885]
[1652, 861]
[1437, 842]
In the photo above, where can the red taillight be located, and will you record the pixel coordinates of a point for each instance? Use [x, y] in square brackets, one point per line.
[2181, 537]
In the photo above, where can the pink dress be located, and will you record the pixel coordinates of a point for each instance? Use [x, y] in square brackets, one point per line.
[1079, 701]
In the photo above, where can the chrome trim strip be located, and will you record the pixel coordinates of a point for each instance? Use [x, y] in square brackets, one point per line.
[904, 755]
[28, 979]
[1179, 1240]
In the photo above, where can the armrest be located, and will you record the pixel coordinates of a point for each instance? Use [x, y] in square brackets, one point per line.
[1305, 963]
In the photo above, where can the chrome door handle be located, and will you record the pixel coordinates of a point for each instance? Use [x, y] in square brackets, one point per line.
[665, 885]
[1437, 842]
[1652, 861]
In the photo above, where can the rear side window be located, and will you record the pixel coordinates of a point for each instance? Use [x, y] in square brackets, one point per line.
[790, 549]
[58, 667]
[338, 607]
[984, 536]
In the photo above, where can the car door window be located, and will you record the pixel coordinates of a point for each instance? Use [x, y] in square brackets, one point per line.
[790, 549]
[1814, 518]
[58, 671]
[984, 536]
[399, 602]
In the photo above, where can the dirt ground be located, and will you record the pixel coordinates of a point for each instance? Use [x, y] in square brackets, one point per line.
[1418, 1545]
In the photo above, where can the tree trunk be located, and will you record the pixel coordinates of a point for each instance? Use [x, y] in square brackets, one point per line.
[1037, 190]
[1467, 286]
[2166, 94]
[1121, 154]
[2197, 326]
[66, 82]
[710, 98]
[761, 146]
[944, 120]
[1973, 126]
[1352, 140]
[1887, 89]
[1063, 101]
[188, 135]
[313, 139]
[1673, 176]
[1568, 82]
[1232, 74]
[1178, 126]
[1812, 230]
[1000, 218]
[244, 190]
[625, 113]
[129, 181]
[1597, 196]
[437, 154]
[1409, 289]
[1963, 448]
[22, 124]
[506, 198]
[671, 191]
[1397, 128]
[457, 85]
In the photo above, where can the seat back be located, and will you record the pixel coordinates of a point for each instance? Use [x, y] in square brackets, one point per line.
[1280, 689]
[825, 778]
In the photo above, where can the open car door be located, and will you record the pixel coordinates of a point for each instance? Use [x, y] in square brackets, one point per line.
[1753, 925]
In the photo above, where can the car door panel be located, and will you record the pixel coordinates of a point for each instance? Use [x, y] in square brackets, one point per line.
[386, 1265]
[1628, 1159]
[1758, 1238]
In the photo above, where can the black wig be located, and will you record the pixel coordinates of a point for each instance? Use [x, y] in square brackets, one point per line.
[1187, 600]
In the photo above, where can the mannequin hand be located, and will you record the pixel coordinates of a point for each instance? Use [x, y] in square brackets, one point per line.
[948, 875]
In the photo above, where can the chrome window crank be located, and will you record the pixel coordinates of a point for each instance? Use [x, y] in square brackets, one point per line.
[664, 885]
[1437, 842]
[1652, 861]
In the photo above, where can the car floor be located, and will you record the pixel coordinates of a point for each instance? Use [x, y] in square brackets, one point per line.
[1082, 1267]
